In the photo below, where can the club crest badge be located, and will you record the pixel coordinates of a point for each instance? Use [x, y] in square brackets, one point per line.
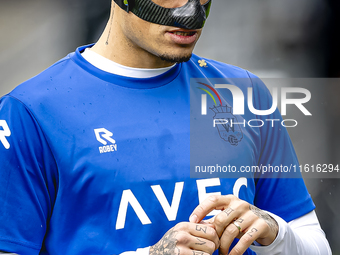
[224, 121]
[228, 128]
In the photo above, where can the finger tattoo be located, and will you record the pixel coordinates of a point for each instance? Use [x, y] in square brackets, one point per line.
[252, 231]
[239, 220]
[200, 242]
[228, 211]
[201, 228]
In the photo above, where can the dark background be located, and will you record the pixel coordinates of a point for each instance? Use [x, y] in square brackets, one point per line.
[271, 38]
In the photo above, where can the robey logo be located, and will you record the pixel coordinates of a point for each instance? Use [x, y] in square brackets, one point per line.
[5, 132]
[104, 136]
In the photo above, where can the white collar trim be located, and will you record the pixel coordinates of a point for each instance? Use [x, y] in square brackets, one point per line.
[109, 66]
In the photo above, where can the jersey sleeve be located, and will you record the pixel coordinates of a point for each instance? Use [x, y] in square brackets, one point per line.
[281, 193]
[28, 179]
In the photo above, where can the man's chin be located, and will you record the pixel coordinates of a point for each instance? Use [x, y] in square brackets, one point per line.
[175, 59]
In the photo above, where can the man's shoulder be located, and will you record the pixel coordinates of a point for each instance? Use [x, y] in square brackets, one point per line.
[42, 86]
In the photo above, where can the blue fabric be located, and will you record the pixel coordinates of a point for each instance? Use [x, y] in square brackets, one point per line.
[63, 188]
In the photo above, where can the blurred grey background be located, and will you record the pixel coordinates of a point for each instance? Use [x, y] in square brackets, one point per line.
[271, 38]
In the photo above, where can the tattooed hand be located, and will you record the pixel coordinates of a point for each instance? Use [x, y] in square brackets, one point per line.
[238, 219]
[187, 239]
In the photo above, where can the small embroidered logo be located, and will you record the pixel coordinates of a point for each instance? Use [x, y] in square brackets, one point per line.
[226, 123]
[202, 63]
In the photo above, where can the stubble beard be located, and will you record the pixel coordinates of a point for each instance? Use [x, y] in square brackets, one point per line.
[175, 59]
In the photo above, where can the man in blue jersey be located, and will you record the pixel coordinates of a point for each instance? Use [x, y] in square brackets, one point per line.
[95, 151]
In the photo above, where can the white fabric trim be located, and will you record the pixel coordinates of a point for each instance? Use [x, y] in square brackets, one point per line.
[109, 66]
[142, 251]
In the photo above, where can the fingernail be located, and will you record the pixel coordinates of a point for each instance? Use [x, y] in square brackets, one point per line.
[193, 218]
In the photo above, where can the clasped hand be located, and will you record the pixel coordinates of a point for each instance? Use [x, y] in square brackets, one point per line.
[237, 219]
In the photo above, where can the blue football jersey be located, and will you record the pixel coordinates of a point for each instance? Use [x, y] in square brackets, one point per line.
[96, 163]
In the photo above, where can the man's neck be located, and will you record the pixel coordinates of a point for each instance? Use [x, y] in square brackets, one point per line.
[120, 56]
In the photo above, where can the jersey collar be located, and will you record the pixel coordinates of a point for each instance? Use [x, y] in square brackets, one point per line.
[135, 83]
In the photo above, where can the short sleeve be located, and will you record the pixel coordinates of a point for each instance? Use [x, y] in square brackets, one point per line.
[28, 179]
[285, 195]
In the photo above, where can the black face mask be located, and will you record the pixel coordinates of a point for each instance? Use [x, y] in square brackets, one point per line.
[190, 16]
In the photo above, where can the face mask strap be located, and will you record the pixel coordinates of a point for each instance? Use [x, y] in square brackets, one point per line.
[126, 5]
